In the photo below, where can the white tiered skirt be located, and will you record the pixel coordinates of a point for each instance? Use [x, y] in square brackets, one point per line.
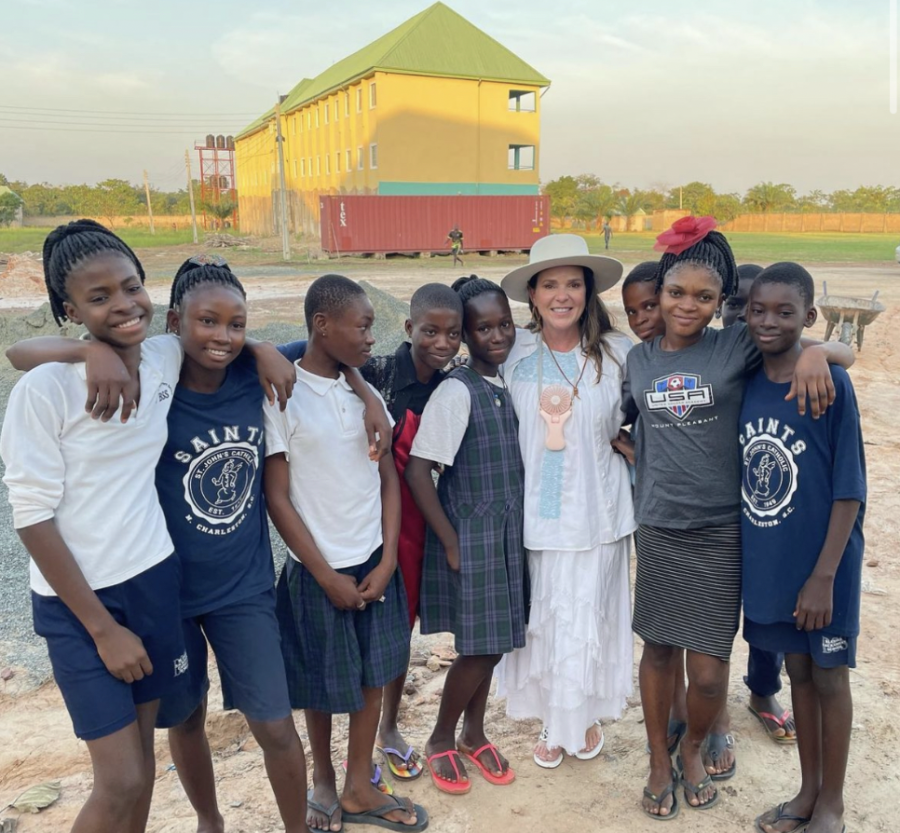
[576, 665]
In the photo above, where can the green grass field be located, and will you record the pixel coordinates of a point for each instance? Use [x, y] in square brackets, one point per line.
[769, 247]
[14, 240]
[748, 246]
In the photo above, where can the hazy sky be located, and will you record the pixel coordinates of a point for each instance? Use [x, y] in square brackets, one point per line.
[644, 93]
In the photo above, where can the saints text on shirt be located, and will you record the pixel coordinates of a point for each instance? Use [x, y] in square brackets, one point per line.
[770, 471]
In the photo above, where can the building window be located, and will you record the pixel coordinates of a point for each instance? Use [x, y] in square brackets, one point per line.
[372, 97]
[348, 158]
[359, 99]
[521, 158]
[327, 164]
[308, 119]
[522, 101]
[373, 156]
[337, 162]
[302, 167]
[293, 125]
[299, 119]
[337, 111]
[359, 159]
[317, 116]
[295, 168]
[318, 165]
[309, 165]
[347, 103]
[326, 112]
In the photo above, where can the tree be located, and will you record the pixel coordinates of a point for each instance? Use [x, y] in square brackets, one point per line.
[109, 200]
[221, 210]
[3, 180]
[9, 207]
[766, 197]
[727, 207]
[813, 201]
[631, 203]
[562, 193]
[691, 196]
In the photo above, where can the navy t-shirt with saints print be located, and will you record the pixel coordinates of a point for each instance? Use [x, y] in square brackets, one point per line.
[794, 468]
[209, 480]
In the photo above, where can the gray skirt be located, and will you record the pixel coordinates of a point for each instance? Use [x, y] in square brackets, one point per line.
[688, 587]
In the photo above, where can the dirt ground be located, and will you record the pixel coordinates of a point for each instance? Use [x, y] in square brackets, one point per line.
[36, 742]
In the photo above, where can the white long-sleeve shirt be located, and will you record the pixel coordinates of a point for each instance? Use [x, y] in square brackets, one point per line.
[96, 479]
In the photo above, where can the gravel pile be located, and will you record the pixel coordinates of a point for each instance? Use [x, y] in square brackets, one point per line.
[18, 644]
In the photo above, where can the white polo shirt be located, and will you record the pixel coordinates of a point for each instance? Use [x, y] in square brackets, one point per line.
[335, 487]
[96, 479]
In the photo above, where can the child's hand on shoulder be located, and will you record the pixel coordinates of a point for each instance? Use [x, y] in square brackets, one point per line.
[812, 378]
[108, 383]
[814, 603]
[378, 431]
[276, 374]
[343, 592]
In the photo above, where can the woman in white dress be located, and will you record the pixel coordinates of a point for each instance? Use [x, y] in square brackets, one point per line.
[565, 375]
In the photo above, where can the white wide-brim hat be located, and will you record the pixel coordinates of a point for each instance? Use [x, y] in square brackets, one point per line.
[561, 250]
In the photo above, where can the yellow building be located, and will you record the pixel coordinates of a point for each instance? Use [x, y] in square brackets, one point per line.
[434, 107]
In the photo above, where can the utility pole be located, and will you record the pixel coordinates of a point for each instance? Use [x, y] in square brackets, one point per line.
[187, 162]
[279, 141]
[680, 197]
[149, 209]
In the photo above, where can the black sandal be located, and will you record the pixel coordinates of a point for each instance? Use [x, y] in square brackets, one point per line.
[696, 789]
[658, 800]
[715, 747]
[780, 815]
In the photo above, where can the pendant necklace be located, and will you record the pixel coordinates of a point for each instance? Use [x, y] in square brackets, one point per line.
[555, 401]
[497, 400]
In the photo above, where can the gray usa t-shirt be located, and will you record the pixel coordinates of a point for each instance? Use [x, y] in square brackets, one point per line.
[687, 453]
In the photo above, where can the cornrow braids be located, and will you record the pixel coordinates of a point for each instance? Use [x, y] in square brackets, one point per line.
[472, 286]
[197, 271]
[67, 247]
[713, 252]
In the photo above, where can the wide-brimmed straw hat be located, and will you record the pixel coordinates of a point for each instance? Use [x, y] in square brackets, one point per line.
[561, 250]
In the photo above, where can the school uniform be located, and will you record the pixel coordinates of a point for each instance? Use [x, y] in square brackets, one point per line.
[95, 481]
[470, 427]
[330, 654]
[687, 490]
[209, 480]
[794, 468]
[394, 377]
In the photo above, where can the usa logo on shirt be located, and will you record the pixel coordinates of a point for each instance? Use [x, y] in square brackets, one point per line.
[679, 394]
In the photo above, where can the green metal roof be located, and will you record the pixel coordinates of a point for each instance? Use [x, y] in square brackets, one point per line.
[437, 41]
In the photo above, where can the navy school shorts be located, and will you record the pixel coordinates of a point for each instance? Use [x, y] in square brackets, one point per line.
[245, 640]
[147, 605]
[826, 650]
[331, 655]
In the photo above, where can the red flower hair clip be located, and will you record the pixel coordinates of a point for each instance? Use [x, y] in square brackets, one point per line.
[684, 233]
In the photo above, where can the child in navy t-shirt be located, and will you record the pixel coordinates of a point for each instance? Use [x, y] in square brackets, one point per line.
[803, 496]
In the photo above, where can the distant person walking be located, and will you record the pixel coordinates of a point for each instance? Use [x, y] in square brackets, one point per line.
[607, 233]
[455, 236]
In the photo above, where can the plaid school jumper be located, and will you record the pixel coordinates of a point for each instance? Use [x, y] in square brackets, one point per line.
[482, 493]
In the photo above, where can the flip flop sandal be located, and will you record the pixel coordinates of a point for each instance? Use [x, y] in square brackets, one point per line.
[542, 738]
[492, 778]
[678, 728]
[377, 779]
[696, 789]
[658, 800]
[377, 818]
[413, 770]
[763, 717]
[328, 812]
[715, 746]
[593, 753]
[780, 815]
[457, 787]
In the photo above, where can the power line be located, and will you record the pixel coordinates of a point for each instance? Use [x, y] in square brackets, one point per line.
[18, 120]
[188, 132]
[145, 113]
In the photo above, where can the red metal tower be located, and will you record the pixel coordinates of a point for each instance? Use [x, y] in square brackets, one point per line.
[217, 183]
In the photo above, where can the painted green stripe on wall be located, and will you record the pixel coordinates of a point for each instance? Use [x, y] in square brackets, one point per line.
[452, 189]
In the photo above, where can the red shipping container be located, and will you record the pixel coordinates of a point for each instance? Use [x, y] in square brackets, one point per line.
[386, 225]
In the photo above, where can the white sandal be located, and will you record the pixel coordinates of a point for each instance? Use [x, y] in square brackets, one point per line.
[542, 738]
[589, 756]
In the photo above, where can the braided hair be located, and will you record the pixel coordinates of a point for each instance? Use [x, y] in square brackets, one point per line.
[472, 286]
[67, 247]
[195, 272]
[712, 253]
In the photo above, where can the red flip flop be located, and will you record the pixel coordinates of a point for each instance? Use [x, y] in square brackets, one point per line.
[457, 787]
[499, 780]
[762, 717]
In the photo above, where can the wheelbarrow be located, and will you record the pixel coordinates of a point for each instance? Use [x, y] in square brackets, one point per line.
[850, 315]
